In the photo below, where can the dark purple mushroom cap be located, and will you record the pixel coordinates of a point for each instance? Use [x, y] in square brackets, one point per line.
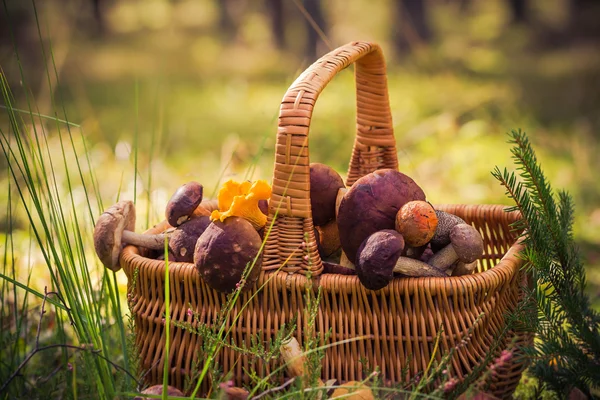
[467, 243]
[441, 237]
[183, 240]
[377, 258]
[223, 251]
[371, 205]
[109, 230]
[263, 206]
[158, 390]
[333, 268]
[324, 186]
[183, 203]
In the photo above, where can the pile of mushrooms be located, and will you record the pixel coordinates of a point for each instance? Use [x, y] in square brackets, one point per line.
[380, 227]
[386, 227]
[222, 238]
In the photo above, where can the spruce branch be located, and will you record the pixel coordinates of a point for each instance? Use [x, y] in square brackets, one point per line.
[568, 352]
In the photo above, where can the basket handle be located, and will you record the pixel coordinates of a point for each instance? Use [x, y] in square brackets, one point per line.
[374, 145]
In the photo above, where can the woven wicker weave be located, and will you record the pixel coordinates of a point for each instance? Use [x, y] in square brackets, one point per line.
[400, 322]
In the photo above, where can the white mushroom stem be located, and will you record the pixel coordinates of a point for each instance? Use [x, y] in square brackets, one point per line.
[154, 242]
[464, 269]
[345, 262]
[444, 258]
[338, 199]
[411, 267]
[295, 360]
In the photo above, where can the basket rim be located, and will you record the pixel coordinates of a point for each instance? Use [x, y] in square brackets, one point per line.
[501, 273]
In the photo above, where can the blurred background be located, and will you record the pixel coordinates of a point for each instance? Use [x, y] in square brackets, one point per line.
[195, 87]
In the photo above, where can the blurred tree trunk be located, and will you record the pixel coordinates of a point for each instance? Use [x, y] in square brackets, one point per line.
[275, 9]
[519, 11]
[413, 28]
[584, 21]
[314, 9]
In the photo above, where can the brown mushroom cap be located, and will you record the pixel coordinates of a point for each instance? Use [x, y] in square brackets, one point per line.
[183, 203]
[324, 185]
[467, 243]
[328, 239]
[223, 251]
[371, 205]
[353, 390]
[183, 240]
[109, 230]
[446, 222]
[377, 257]
[158, 390]
[417, 222]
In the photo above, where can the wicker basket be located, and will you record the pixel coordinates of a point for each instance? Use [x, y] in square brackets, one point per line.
[400, 322]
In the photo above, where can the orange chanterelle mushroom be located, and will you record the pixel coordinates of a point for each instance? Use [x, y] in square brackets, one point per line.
[242, 200]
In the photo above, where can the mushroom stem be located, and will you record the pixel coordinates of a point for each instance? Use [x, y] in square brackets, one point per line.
[444, 258]
[295, 360]
[345, 262]
[338, 200]
[154, 242]
[411, 267]
[464, 268]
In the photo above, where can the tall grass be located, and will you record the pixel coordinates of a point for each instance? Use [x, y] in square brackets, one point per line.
[46, 185]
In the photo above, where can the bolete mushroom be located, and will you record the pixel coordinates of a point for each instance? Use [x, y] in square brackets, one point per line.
[183, 240]
[446, 222]
[379, 256]
[353, 390]
[114, 228]
[332, 268]
[338, 200]
[225, 250]
[295, 361]
[417, 222]
[462, 268]
[231, 392]
[183, 203]
[466, 245]
[371, 205]
[328, 241]
[324, 185]
[158, 390]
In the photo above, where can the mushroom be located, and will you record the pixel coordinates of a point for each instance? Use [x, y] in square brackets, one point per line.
[379, 256]
[295, 361]
[231, 392]
[245, 205]
[183, 240]
[371, 205]
[225, 250]
[158, 390]
[466, 245]
[417, 222]
[353, 390]
[338, 200]
[344, 262]
[462, 268]
[414, 252]
[324, 185]
[446, 222]
[183, 203]
[328, 239]
[114, 228]
[332, 268]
